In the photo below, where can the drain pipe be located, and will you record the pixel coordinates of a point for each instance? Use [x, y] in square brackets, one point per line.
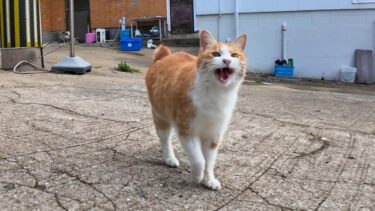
[218, 21]
[236, 19]
[284, 29]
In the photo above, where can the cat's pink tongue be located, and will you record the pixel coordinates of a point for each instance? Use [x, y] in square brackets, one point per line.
[224, 77]
[223, 74]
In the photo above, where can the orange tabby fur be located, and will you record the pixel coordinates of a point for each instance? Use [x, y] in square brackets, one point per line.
[168, 83]
[196, 96]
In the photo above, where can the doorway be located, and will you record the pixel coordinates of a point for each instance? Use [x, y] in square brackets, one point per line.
[81, 18]
[182, 17]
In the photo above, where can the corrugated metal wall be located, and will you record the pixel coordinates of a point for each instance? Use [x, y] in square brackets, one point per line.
[20, 24]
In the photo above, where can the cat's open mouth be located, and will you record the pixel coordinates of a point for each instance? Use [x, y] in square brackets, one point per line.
[223, 74]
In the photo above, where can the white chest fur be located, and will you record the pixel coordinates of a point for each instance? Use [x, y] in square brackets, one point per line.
[214, 106]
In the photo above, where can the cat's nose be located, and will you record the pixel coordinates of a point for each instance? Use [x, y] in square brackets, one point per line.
[226, 61]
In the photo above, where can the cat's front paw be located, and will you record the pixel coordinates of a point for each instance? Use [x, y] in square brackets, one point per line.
[172, 162]
[212, 184]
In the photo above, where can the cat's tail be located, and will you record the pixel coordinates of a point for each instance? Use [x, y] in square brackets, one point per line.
[161, 52]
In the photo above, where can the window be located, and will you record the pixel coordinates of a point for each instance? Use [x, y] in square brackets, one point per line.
[134, 3]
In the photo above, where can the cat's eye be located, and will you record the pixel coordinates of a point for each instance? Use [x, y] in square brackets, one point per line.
[216, 54]
[235, 55]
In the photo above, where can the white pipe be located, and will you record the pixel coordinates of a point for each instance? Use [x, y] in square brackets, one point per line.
[236, 19]
[168, 14]
[195, 15]
[284, 29]
[218, 21]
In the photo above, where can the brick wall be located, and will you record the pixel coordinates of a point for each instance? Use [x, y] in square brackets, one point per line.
[106, 14]
[53, 15]
[103, 13]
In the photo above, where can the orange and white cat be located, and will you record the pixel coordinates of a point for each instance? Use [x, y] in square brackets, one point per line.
[196, 97]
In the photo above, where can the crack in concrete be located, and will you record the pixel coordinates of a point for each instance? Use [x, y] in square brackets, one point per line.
[36, 186]
[362, 177]
[44, 190]
[268, 202]
[36, 128]
[16, 93]
[89, 184]
[248, 187]
[258, 177]
[69, 111]
[338, 175]
[59, 202]
[304, 125]
[83, 144]
[325, 145]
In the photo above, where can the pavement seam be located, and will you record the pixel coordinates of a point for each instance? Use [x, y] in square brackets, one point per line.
[338, 175]
[304, 125]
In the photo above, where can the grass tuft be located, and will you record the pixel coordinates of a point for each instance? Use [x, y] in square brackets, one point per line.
[123, 67]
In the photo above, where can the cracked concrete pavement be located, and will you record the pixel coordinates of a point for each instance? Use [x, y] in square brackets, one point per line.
[87, 142]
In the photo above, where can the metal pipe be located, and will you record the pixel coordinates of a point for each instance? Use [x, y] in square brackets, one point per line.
[165, 29]
[35, 41]
[28, 29]
[131, 28]
[7, 19]
[40, 26]
[236, 19]
[160, 34]
[72, 53]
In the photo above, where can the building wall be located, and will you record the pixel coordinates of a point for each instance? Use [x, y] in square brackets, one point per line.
[320, 41]
[53, 15]
[106, 14]
[254, 6]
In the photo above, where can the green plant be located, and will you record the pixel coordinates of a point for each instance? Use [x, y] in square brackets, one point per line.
[258, 81]
[123, 67]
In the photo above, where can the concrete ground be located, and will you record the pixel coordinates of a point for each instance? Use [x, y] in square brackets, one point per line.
[71, 142]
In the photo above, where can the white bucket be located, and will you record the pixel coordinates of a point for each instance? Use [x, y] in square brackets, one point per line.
[348, 74]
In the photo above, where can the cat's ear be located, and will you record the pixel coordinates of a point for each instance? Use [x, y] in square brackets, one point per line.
[206, 40]
[240, 42]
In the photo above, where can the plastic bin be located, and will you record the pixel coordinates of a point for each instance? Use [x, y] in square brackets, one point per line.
[90, 38]
[284, 71]
[131, 44]
[124, 34]
[348, 74]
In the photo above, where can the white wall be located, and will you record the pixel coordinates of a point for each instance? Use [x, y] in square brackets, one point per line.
[319, 41]
[207, 7]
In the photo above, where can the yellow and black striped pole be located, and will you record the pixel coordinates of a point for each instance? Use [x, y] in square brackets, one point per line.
[20, 23]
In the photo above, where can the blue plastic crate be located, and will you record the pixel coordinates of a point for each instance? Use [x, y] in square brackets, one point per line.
[124, 34]
[131, 44]
[284, 71]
